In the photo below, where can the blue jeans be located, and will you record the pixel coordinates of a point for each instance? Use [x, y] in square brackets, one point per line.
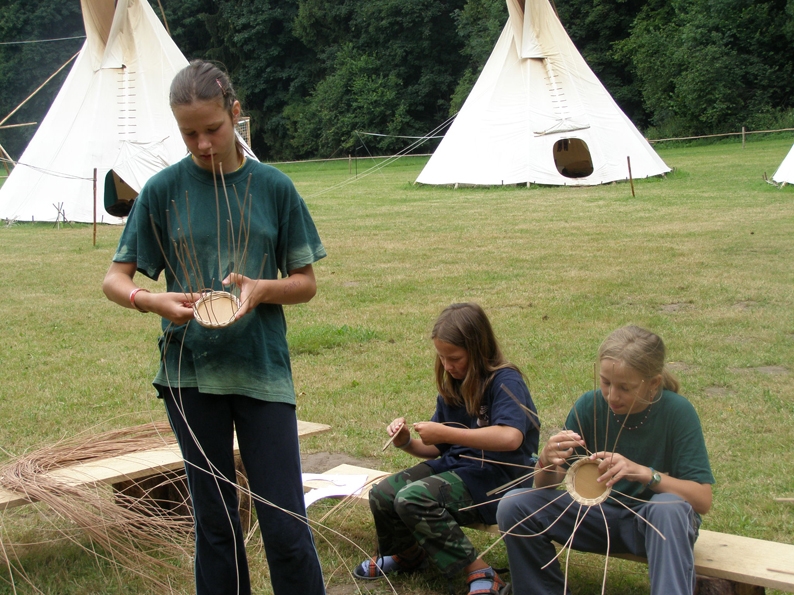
[671, 560]
[267, 434]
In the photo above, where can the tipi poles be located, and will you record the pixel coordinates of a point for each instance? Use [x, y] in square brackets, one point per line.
[6, 158]
[3, 121]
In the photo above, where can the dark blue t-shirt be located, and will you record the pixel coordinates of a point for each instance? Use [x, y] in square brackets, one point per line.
[498, 409]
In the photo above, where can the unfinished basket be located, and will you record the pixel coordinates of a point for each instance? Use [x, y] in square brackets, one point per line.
[216, 309]
[580, 481]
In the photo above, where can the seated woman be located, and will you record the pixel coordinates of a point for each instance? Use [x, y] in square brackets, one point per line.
[650, 450]
[484, 416]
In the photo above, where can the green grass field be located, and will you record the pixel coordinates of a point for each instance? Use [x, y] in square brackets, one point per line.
[703, 257]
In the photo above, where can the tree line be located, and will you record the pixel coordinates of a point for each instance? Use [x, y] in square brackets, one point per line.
[314, 73]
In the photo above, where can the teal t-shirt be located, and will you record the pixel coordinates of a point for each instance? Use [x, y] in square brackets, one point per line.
[258, 225]
[670, 439]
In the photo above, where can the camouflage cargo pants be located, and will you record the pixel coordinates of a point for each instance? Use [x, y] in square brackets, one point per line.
[416, 506]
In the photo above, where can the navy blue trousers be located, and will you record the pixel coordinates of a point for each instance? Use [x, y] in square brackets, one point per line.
[533, 518]
[267, 434]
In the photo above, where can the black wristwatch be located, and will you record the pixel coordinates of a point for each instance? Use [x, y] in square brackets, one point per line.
[656, 477]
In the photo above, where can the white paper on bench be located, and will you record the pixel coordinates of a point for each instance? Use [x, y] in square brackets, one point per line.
[341, 485]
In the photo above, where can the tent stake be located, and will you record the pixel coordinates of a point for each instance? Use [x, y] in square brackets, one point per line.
[94, 206]
[631, 180]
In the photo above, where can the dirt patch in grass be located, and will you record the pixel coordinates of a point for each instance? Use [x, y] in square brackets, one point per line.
[676, 307]
[678, 367]
[772, 370]
[745, 305]
[341, 589]
[718, 391]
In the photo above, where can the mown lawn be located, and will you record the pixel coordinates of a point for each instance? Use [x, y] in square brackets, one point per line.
[703, 257]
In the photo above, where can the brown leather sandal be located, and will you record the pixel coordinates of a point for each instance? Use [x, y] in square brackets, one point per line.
[498, 586]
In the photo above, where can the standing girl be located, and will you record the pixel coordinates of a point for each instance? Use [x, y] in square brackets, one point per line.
[218, 381]
[651, 452]
[419, 512]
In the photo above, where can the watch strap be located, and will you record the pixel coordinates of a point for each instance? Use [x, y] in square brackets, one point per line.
[655, 478]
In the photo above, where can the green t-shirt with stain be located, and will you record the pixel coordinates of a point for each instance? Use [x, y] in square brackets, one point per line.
[670, 439]
[256, 224]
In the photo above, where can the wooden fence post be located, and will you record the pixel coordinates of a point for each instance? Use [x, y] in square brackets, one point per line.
[631, 180]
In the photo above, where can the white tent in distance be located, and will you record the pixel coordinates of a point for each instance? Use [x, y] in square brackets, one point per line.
[785, 172]
[112, 114]
[538, 114]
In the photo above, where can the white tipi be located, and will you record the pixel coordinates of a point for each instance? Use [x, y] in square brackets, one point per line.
[112, 112]
[785, 173]
[538, 114]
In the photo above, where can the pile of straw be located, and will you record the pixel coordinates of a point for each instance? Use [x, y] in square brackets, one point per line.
[127, 530]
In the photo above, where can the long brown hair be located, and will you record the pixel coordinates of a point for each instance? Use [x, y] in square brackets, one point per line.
[467, 326]
[642, 351]
[202, 81]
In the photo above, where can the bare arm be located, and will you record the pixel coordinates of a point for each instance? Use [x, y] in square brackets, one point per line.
[550, 470]
[496, 438]
[118, 284]
[401, 436]
[298, 288]
[615, 467]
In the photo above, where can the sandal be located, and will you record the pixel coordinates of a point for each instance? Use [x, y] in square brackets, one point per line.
[498, 586]
[380, 566]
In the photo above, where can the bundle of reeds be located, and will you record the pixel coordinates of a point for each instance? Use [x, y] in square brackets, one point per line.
[121, 526]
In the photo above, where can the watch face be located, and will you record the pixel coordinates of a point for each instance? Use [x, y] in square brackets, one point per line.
[656, 477]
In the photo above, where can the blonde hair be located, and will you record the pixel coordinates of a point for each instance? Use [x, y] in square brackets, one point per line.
[642, 351]
[467, 326]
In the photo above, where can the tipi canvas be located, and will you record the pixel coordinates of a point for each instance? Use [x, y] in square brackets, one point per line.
[538, 114]
[112, 111]
[785, 173]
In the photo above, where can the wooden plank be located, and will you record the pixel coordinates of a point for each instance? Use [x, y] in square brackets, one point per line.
[373, 475]
[130, 466]
[745, 560]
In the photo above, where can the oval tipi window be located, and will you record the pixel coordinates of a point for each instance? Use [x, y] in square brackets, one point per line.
[572, 158]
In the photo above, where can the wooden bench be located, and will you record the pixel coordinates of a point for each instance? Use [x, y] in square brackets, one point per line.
[134, 468]
[748, 565]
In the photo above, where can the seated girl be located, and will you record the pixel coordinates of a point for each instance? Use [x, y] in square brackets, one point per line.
[650, 450]
[481, 437]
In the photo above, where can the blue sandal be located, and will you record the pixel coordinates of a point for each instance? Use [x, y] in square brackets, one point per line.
[379, 566]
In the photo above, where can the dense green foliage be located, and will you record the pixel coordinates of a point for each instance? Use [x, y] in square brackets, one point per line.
[313, 74]
[705, 66]
[25, 66]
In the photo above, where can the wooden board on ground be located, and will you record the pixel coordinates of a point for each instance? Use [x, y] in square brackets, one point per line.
[131, 466]
[373, 475]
